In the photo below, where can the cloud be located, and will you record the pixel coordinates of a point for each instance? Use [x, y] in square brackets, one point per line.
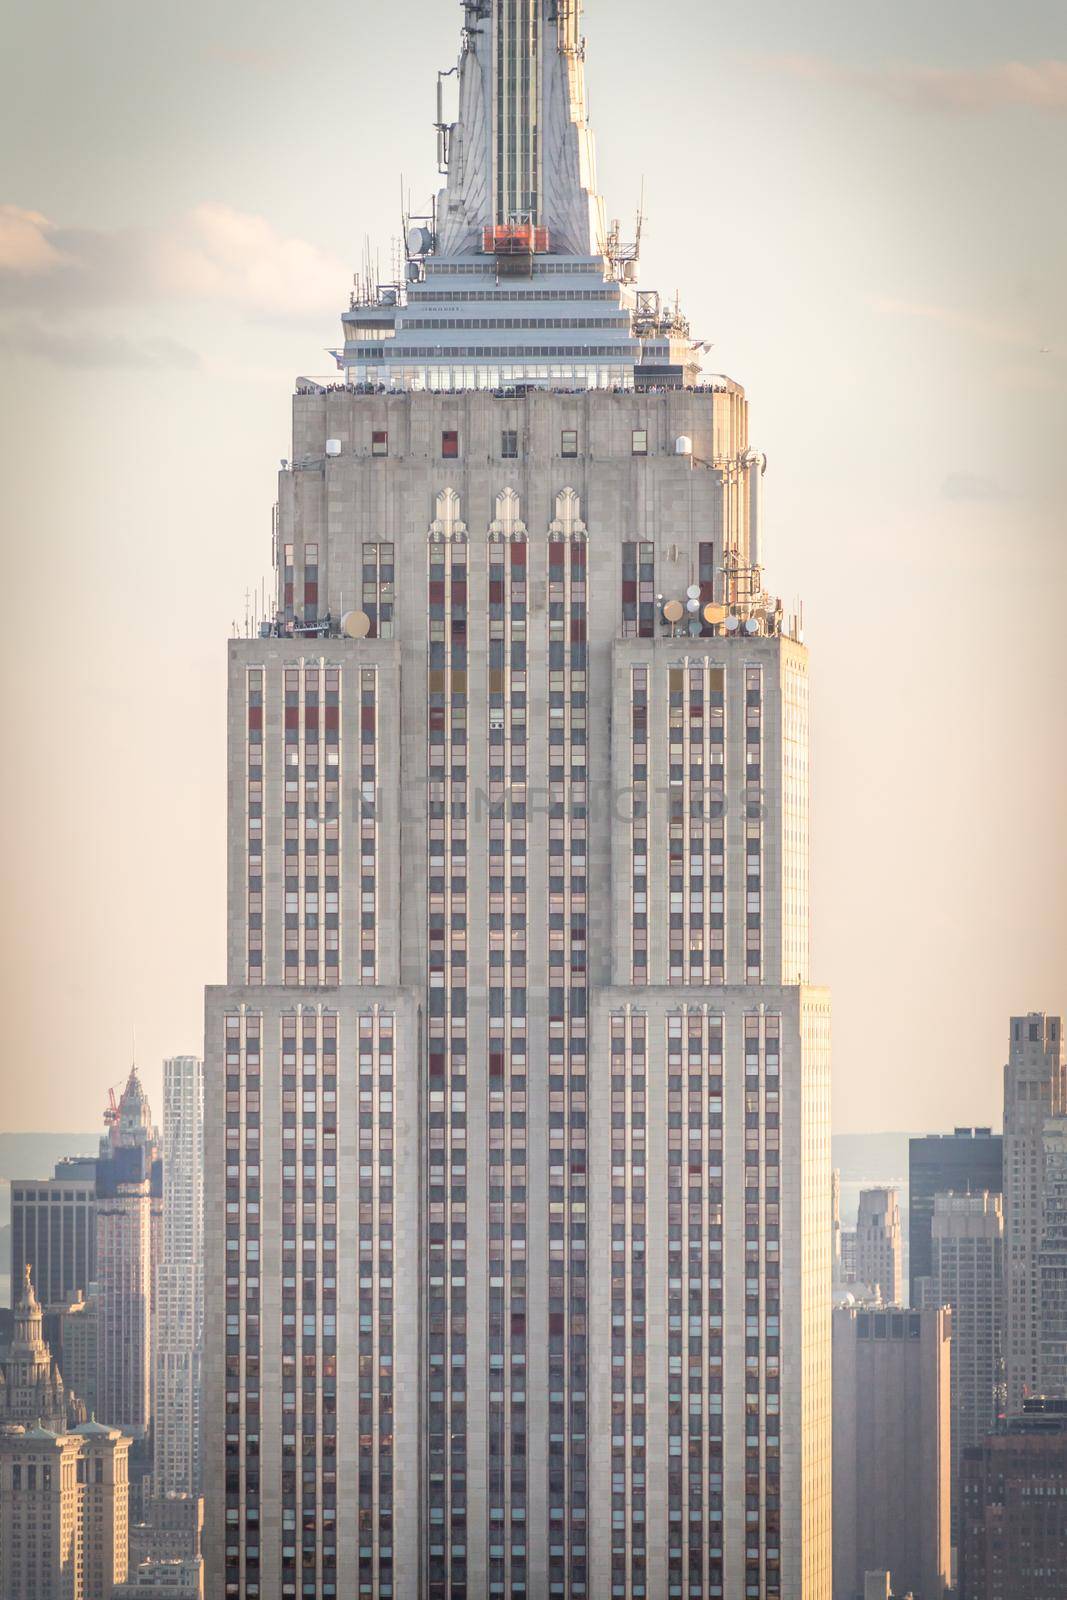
[86, 350]
[214, 253]
[971, 486]
[24, 244]
[990, 328]
[1041, 85]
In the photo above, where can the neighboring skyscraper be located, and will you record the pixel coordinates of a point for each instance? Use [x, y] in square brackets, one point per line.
[1013, 1527]
[1052, 1262]
[835, 1225]
[63, 1512]
[127, 1176]
[32, 1391]
[53, 1230]
[1035, 1081]
[878, 1243]
[78, 1347]
[966, 1161]
[891, 1450]
[967, 1275]
[179, 1323]
[517, 1015]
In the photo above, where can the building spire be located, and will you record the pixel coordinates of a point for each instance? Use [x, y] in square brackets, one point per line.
[521, 150]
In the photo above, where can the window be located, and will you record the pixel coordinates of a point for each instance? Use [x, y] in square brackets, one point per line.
[450, 444]
[639, 442]
[509, 444]
[379, 442]
[569, 442]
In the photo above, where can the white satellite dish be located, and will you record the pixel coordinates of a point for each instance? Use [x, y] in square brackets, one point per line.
[693, 591]
[683, 445]
[732, 624]
[752, 625]
[692, 605]
[355, 624]
[333, 447]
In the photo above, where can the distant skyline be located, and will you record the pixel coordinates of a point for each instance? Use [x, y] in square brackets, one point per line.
[873, 197]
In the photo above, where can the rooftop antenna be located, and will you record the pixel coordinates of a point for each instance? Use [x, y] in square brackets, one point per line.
[640, 220]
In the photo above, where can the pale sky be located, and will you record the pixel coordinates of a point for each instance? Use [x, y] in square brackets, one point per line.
[862, 206]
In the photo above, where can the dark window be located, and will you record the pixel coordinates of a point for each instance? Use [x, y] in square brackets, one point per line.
[569, 442]
[509, 443]
[379, 442]
[450, 444]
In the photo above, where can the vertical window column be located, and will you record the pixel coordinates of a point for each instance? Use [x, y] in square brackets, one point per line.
[507, 1155]
[254, 802]
[290, 1144]
[376, 1288]
[368, 829]
[638, 589]
[568, 1353]
[639, 732]
[379, 591]
[242, 1303]
[446, 1232]
[753, 824]
[629, 1572]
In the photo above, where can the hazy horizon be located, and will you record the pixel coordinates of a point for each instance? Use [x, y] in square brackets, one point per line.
[857, 208]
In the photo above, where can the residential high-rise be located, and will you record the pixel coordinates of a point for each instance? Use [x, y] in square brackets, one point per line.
[32, 1391]
[517, 1097]
[1035, 1088]
[63, 1512]
[179, 1320]
[53, 1230]
[966, 1161]
[1052, 1262]
[1013, 1522]
[879, 1241]
[967, 1275]
[127, 1184]
[891, 1449]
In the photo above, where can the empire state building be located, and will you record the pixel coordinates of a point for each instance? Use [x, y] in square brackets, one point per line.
[517, 1116]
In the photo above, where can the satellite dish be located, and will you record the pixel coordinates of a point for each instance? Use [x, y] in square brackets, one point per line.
[752, 625]
[713, 612]
[693, 592]
[333, 447]
[355, 624]
[694, 626]
[732, 624]
[419, 241]
[672, 611]
[692, 605]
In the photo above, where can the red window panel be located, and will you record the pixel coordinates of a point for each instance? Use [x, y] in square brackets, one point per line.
[449, 444]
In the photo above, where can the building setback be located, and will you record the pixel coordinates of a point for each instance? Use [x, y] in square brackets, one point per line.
[1035, 1088]
[891, 1449]
[966, 1161]
[517, 1096]
[1013, 1527]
